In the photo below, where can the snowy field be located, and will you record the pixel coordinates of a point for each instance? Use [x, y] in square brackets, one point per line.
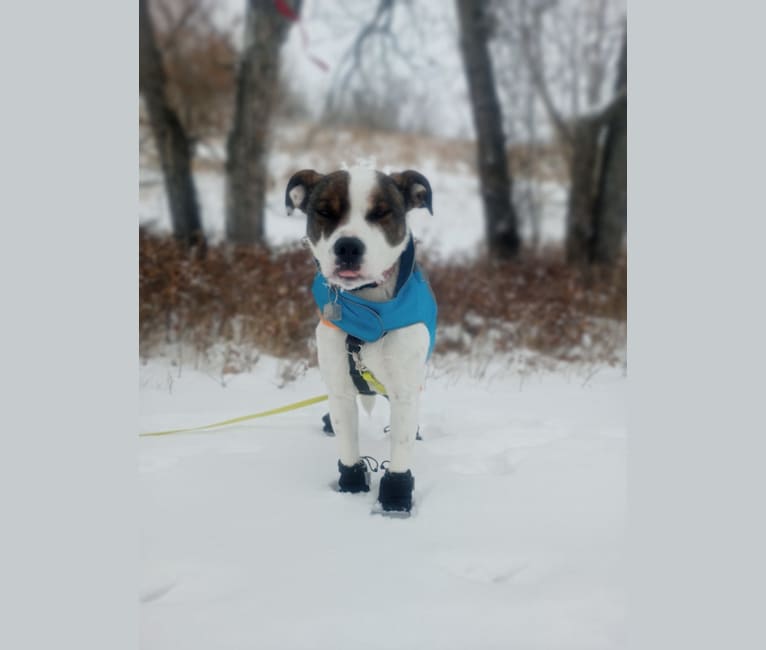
[516, 536]
[515, 540]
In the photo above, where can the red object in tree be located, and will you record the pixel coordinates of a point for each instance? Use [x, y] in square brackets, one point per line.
[287, 11]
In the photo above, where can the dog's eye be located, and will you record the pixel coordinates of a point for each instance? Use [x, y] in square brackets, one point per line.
[377, 215]
[324, 213]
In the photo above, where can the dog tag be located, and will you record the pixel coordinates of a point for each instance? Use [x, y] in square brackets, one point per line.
[332, 311]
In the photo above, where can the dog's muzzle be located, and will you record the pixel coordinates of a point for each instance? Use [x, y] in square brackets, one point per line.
[348, 253]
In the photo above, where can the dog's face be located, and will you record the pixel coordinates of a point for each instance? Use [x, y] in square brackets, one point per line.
[356, 220]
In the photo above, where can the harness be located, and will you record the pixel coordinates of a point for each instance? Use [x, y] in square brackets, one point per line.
[366, 321]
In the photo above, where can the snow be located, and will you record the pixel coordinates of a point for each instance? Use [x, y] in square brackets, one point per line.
[515, 541]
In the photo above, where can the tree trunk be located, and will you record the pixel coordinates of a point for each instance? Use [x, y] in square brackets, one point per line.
[495, 180]
[580, 205]
[611, 209]
[173, 145]
[247, 148]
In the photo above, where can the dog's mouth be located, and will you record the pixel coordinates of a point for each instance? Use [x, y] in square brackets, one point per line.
[352, 278]
[349, 280]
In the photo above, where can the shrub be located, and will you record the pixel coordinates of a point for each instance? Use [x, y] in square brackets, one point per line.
[260, 300]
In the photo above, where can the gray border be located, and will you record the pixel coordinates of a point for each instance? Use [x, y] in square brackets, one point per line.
[70, 178]
[696, 326]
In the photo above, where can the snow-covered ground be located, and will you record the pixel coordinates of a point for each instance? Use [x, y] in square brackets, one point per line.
[515, 540]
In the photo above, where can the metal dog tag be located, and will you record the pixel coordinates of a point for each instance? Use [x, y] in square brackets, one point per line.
[332, 311]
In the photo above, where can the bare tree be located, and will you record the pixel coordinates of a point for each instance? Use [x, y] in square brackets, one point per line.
[611, 207]
[199, 57]
[582, 133]
[351, 63]
[524, 124]
[378, 78]
[248, 142]
[173, 145]
[494, 176]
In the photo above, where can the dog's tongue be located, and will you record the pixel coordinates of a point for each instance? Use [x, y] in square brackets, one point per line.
[348, 274]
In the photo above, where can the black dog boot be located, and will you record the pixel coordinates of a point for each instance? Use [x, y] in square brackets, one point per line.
[396, 491]
[354, 478]
[327, 425]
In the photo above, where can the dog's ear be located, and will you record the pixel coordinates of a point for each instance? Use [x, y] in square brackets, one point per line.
[299, 188]
[415, 188]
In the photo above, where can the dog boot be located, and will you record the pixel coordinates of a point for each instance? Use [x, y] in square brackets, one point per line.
[327, 426]
[396, 491]
[353, 479]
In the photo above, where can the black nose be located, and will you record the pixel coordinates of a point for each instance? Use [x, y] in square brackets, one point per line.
[349, 251]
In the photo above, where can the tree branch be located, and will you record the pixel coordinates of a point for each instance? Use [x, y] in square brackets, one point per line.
[534, 57]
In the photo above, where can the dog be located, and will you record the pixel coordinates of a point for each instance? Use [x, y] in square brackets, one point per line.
[377, 323]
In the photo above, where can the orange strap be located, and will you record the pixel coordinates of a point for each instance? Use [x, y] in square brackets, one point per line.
[324, 321]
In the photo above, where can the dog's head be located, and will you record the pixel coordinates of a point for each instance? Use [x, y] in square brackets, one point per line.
[356, 220]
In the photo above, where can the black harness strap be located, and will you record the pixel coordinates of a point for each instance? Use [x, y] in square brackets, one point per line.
[353, 346]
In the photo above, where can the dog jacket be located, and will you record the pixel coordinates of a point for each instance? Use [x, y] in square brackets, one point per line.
[413, 302]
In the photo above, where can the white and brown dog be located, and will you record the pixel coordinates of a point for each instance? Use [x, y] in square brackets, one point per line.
[377, 312]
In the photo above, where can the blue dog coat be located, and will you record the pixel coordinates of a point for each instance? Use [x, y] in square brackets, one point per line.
[413, 302]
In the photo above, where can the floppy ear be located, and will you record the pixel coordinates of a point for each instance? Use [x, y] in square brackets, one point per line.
[415, 188]
[299, 188]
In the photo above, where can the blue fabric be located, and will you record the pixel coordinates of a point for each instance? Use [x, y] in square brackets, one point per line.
[367, 320]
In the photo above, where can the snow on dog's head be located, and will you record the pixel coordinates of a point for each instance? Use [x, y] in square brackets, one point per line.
[356, 219]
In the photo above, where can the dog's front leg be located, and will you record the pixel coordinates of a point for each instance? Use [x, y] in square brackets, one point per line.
[404, 427]
[405, 358]
[333, 366]
[344, 418]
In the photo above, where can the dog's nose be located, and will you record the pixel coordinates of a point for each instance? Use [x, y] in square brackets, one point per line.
[349, 251]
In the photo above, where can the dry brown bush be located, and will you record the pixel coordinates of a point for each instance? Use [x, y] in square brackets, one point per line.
[260, 300]
[537, 303]
[243, 295]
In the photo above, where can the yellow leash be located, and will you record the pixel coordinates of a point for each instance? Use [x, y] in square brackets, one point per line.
[373, 382]
[244, 418]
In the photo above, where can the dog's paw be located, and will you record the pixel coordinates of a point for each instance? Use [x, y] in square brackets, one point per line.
[396, 491]
[353, 479]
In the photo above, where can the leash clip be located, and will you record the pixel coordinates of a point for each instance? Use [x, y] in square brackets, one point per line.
[359, 365]
[354, 348]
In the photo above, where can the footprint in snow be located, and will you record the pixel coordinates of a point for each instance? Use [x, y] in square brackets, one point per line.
[156, 593]
[496, 451]
[487, 569]
[493, 465]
